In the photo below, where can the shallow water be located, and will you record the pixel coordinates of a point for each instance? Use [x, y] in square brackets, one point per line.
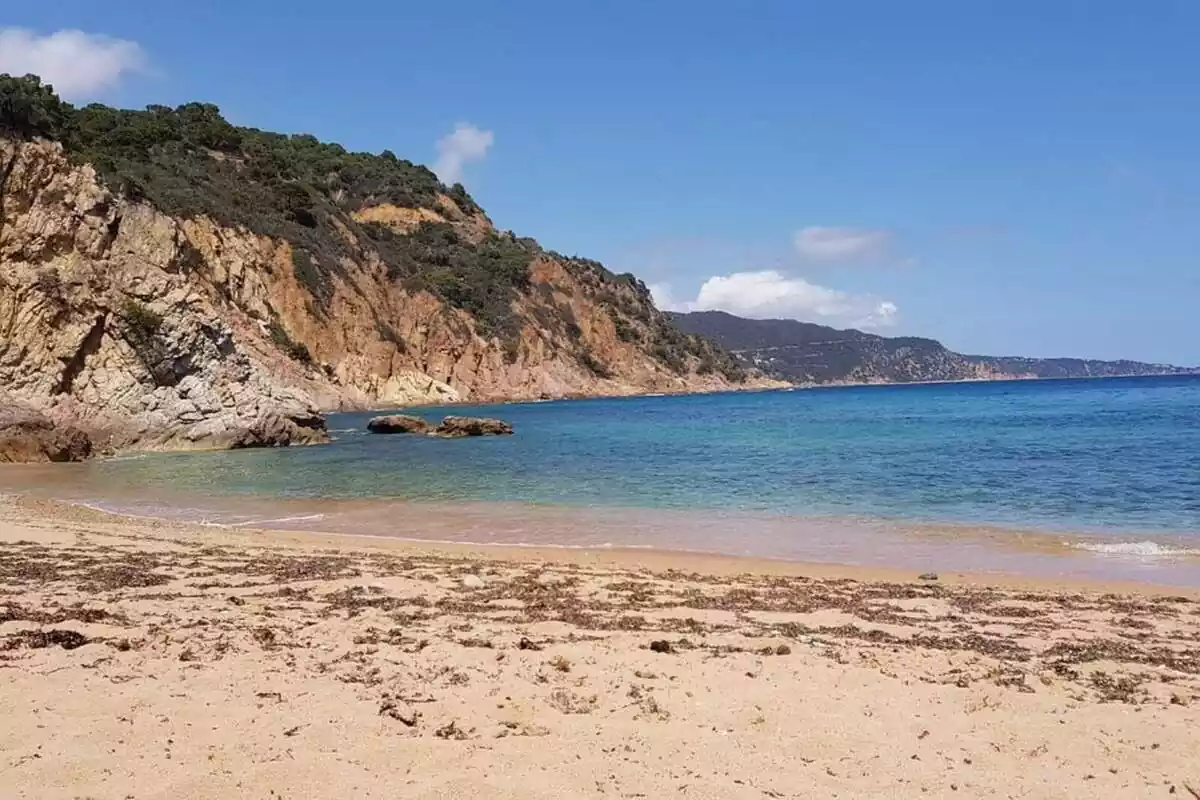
[1097, 477]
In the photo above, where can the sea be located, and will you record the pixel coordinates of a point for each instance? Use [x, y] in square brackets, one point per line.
[1093, 478]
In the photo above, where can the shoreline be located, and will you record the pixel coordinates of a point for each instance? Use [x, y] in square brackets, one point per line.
[787, 386]
[874, 546]
[1044, 556]
[715, 564]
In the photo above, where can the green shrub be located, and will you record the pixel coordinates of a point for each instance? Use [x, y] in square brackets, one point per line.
[142, 328]
[511, 348]
[670, 356]
[311, 276]
[388, 334]
[28, 108]
[458, 194]
[297, 351]
[626, 332]
[482, 278]
[189, 161]
[140, 320]
[595, 365]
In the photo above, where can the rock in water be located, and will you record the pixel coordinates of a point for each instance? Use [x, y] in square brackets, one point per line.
[927, 576]
[280, 430]
[27, 436]
[455, 427]
[398, 423]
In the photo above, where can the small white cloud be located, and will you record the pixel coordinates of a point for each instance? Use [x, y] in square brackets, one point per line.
[884, 314]
[75, 63]
[455, 150]
[768, 293]
[823, 243]
[660, 293]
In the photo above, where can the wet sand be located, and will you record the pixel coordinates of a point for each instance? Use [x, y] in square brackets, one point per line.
[147, 659]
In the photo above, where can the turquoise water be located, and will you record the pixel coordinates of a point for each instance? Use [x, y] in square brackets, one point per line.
[1118, 455]
[1096, 478]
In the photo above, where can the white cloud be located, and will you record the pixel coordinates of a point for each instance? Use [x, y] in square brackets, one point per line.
[455, 150]
[660, 293]
[75, 63]
[768, 293]
[823, 243]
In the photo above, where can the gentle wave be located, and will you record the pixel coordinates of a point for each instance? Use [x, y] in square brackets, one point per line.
[854, 541]
[1145, 549]
[275, 520]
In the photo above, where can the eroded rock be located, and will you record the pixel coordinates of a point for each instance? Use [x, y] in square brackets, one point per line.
[27, 436]
[398, 423]
[457, 427]
[282, 430]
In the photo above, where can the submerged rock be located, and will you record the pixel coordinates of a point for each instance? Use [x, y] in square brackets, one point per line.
[398, 423]
[28, 436]
[455, 427]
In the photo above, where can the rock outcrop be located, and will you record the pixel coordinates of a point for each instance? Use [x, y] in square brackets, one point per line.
[106, 321]
[159, 306]
[27, 436]
[398, 423]
[458, 427]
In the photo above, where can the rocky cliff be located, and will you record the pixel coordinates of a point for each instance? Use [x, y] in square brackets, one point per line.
[26, 436]
[171, 281]
[808, 353]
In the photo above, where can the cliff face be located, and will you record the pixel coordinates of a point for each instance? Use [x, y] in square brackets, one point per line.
[108, 316]
[178, 330]
[808, 353]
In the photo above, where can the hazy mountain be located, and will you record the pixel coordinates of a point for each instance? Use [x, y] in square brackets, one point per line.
[806, 352]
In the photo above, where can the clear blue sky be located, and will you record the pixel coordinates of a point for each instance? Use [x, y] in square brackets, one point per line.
[1014, 177]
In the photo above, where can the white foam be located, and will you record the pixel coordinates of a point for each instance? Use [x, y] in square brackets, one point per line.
[1146, 549]
[300, 518]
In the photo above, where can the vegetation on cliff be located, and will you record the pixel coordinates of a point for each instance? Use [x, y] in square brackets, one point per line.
[189, 162]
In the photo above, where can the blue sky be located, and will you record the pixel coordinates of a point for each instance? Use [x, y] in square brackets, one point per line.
[1010, 177]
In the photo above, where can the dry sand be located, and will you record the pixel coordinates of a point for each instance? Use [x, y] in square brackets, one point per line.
[143, 659]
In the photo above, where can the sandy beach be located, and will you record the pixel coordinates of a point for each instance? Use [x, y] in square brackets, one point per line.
[148, 659]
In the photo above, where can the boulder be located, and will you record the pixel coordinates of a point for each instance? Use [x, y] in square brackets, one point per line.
[28, 436]
[281, 430]
[455, 427]
[398, 423]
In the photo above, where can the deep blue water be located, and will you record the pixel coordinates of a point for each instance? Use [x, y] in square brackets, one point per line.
[1087, 455]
